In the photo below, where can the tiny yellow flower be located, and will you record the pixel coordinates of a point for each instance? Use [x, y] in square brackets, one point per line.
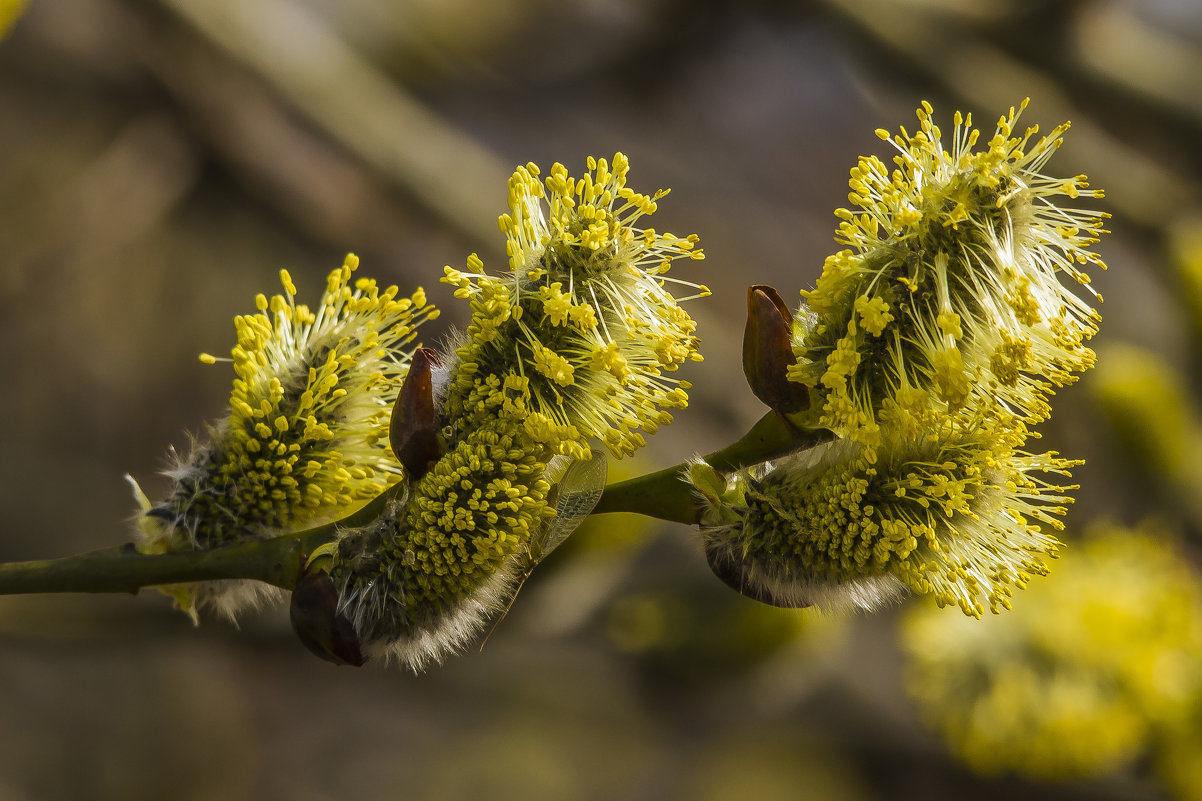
[610, 359]
[556, 305]
[553, 366]
[874, 314]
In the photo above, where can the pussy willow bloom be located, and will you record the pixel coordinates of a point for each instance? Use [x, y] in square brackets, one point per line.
[421, 580]
[950, 288]
[1089, 668]
[952, 510]
[578, 339]
[306, 435]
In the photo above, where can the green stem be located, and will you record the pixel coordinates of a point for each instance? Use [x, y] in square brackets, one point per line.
[122, 569]
[279, 561]
[276, 561]
[665, 495]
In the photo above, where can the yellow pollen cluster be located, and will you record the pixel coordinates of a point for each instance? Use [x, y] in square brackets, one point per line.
[874, 314]
[553, 366]
[556, 305]
[611, 360]
[951, 382]
[471, 512]
[464, 519]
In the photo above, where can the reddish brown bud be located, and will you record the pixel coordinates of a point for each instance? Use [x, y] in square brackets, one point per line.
[413, 431]
[768, 351]
[324, 630]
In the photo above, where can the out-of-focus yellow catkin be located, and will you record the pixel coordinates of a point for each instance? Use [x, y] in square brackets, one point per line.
[1091, 665]
[1185, 259]
[1148, 404]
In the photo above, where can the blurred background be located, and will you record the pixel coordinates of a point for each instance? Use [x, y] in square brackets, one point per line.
[160, 161]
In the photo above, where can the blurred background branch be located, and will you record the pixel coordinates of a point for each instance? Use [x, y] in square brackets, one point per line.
[958, 54]
[369, 115]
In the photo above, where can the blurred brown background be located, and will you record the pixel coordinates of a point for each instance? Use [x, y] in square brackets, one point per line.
[161, 161]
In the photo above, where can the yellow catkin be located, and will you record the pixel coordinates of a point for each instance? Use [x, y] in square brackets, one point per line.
[583, 318]
[311, 391]
[952, 280]
[950, 509]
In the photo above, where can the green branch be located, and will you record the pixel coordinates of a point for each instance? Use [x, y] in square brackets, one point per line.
[122, 569]
[279, 561]
[276, 561]
[666, 496]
